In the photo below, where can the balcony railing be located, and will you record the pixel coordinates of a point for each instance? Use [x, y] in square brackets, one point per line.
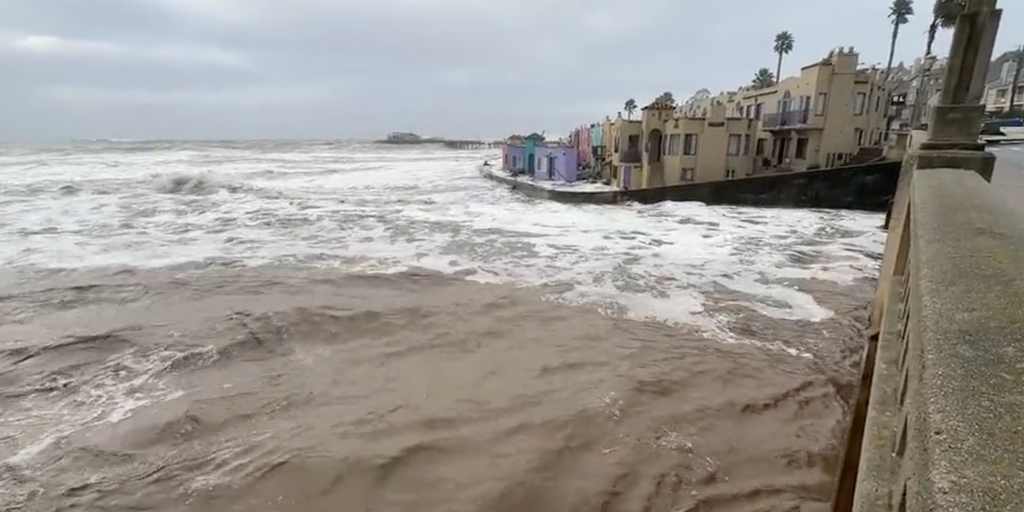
[789, 119]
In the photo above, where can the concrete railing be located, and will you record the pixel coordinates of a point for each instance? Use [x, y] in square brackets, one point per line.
[942, 427]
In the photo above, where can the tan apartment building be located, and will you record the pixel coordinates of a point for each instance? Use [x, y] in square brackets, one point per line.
[817, 119]
[997, 90]
[623, 155]
[710, 146]
[820, 118]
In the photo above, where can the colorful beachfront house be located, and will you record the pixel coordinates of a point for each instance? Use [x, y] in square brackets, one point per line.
[513, 154]
[556, 163]
[531, 142]
[580, 139]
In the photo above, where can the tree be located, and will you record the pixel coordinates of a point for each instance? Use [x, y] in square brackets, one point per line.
[630, 107]
[763, 78]
[666, 97]
[944, 15]
[783, 45]
[899, 14]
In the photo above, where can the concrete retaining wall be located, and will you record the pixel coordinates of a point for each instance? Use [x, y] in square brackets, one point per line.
[860, 187]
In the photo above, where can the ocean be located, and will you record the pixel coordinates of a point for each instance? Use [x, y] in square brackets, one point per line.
[313, 325]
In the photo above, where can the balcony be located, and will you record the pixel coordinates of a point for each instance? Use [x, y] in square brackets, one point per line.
[786, 120]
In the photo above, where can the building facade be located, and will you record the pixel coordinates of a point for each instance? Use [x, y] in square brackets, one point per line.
[513, 156]
[821, 118]
[624, 157]
[556, 163]
[998, 88]
[683, 149]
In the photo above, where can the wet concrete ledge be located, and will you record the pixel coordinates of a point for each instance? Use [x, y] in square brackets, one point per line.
[868, 187]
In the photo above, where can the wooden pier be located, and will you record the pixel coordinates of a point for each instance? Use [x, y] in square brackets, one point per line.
[411, 139]
[470, 144]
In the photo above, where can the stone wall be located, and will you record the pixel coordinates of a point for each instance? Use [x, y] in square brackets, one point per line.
[860, 187]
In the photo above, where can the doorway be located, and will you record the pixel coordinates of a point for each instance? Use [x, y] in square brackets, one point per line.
[551, 167]
[655, 148]
[783, 149]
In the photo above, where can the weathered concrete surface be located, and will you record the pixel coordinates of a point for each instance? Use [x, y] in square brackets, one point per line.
[964, 369]
[944, 428]
[879, 465]
[861, 187]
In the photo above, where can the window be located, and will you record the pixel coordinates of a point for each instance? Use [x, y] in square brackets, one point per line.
[878, 103]
[690, 144]
[858, 104]
[860, 136]
[760, 148]
[1000, 95]
[801, 148]
[664, 144]
[615, 143]
[746, 144]
[805, 103]
[686, 175]
[730, 174]
[735, 144]
[750, 112]
[675, 144]
[758, 110]
[819, 108]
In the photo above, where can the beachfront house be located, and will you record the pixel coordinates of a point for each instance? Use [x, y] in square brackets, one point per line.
[531, 142]
[556, 162]
[513, 155]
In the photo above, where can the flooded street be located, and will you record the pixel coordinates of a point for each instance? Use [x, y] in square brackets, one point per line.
[321, 326]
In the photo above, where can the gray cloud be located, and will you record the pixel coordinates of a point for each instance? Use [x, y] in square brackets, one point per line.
[361, 68]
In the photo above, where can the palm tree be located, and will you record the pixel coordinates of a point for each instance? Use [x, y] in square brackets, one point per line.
[944, 15]
[763, 78]
[899, 14]
[629, 107]
[666, 97]
[783, 45]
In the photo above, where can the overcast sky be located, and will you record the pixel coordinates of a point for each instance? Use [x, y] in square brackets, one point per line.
[362, 68]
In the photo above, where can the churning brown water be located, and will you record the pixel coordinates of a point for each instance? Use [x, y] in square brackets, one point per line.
[281, 371]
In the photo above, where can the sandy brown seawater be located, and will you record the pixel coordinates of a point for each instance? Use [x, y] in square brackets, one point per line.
[289, 389]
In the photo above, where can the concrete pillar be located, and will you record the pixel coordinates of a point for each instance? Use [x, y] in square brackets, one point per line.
[956, 119]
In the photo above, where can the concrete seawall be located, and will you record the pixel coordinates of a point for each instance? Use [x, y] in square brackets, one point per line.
[868, 187]
[942, 417]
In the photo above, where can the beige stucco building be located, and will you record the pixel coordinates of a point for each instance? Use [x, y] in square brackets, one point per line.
[820, 118]
[623, 154]
[997, 91]
[706, 147]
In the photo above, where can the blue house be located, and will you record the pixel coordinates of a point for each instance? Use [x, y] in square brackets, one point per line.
[531, 142]
[596, 135]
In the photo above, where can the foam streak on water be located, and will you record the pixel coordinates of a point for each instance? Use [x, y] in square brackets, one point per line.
[369, 208]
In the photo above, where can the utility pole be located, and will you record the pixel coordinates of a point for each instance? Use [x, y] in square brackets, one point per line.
[1018, 63]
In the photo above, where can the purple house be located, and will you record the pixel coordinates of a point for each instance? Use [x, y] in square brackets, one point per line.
[556, 163]
[513, 156]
